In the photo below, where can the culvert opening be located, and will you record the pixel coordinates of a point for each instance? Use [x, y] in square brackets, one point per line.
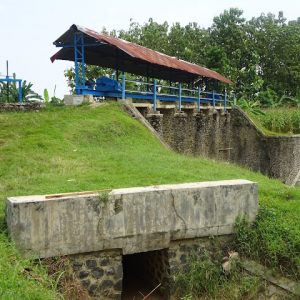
[143, 272]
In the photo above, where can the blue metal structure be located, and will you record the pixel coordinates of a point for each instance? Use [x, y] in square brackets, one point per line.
[9, 79]
[143, 91]
[151, 92]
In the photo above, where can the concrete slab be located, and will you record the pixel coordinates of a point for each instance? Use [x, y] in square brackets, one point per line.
[133, 219]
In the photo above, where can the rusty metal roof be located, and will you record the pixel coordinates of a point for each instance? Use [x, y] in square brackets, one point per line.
[113, 52]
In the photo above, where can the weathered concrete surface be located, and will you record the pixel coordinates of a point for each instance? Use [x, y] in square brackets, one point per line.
[133, 219]
[231, 136]
[74, 100]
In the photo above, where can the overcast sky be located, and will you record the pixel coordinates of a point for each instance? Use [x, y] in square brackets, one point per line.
[28, 28]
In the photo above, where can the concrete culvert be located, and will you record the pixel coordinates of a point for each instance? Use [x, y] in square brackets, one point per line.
[144, 273]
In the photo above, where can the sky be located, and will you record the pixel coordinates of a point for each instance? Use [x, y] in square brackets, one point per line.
[28, 28]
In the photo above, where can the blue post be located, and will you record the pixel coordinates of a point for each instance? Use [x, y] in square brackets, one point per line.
[225, 100]
[82, 61]
[154, 95]
[180, 96]
[20, 91]
[199, 95]
[76, 63]
[214, 100]
[123, 86]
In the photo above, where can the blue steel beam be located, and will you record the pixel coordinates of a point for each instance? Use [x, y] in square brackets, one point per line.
[79, 59]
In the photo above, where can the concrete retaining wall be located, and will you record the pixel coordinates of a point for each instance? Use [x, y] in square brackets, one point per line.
[230, 136]
[133, 219]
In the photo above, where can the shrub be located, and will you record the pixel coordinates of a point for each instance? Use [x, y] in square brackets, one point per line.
[281, 120]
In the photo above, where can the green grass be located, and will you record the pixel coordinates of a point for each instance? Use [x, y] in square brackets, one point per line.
[203, 278]
[83, 148]
[279, 120]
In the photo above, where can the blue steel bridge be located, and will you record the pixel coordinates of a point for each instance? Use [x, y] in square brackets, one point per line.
[85, 46]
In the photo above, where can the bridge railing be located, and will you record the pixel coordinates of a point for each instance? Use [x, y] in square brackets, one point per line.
[153, 92]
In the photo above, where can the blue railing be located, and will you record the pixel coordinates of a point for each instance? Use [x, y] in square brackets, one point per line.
[9, 79]
[152, 92]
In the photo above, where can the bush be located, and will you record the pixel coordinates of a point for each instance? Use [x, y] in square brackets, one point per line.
[202, 276]
[281, 120]
[270, 241]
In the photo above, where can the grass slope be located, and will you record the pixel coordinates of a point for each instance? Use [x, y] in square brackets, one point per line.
[83, 148]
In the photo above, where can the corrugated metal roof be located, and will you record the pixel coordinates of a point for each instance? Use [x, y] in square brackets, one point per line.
[162, 64]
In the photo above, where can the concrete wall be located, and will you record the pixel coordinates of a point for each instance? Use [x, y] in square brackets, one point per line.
[230, 136]
[133, 220]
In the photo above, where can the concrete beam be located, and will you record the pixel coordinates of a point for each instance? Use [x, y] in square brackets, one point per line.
[132, 219]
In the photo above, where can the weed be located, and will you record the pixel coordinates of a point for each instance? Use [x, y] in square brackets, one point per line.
[103, 197]
[203, 277]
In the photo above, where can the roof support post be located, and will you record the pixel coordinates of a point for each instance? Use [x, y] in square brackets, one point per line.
[79, 59]
[214, 100]
[180, 91]
[82, 61]
[199, 99]
[76, 63]
[154, 95]
[123, 86]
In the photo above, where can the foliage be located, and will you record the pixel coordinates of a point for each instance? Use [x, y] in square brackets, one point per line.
[261, 54]
[22, 278]
[252, 107]
[202, 278]
[13, 91]
[46, 96]
[273, 243]
[281, 120]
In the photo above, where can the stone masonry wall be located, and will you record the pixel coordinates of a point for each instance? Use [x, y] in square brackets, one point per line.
[231, 136]
[28, 106]
[101, 273]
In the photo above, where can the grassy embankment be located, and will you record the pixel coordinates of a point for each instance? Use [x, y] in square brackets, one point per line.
[84, 148]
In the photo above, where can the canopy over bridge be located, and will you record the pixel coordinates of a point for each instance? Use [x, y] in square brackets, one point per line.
[85, 46]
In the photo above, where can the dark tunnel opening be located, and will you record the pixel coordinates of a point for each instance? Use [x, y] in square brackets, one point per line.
[144, 272]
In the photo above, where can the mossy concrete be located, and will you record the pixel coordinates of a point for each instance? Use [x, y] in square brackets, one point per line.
[132, 219]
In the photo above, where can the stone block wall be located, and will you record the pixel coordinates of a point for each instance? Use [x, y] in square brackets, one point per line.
[101, 273]
[231, 136]
[25, 106]
[155, 120]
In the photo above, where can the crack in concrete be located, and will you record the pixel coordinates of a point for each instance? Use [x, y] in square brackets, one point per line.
[176, 212]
